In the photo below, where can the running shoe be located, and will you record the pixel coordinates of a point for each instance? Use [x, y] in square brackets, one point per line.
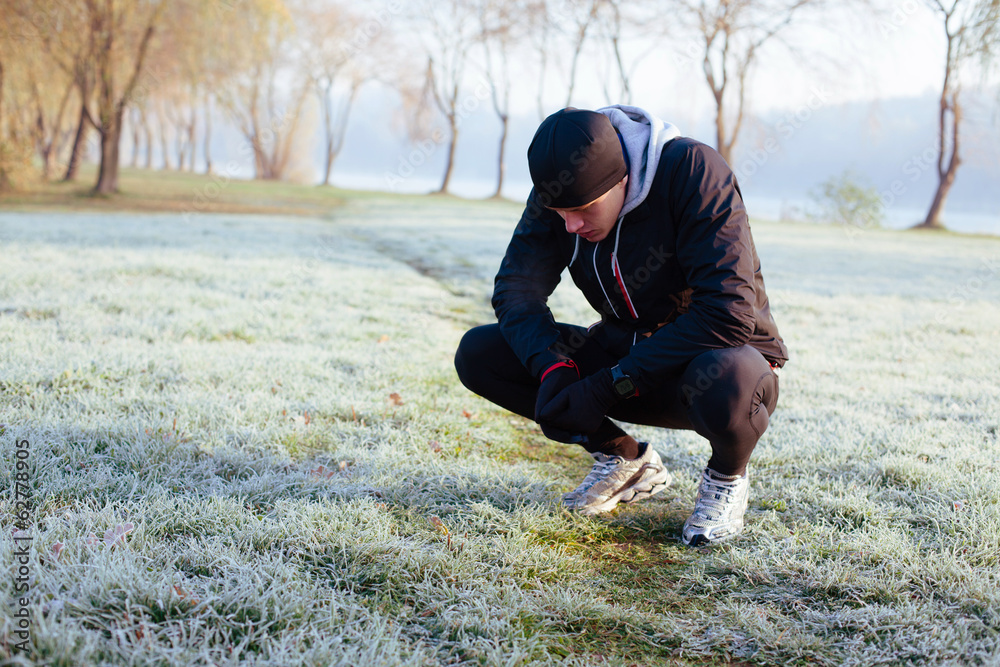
[718, 512]
[614, 480]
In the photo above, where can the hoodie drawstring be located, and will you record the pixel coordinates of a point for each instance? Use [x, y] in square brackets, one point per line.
[617, 271]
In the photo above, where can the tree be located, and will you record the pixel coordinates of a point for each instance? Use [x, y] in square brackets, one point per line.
[584, 14]
[502, 25]
[731, 34]
[123, 33]
[265, 91]
[850, 199]
[61, 49]
[623, 25]
[341, 55]
[448, 31]
[972, 31]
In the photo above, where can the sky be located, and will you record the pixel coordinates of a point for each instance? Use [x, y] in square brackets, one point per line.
[849, 56]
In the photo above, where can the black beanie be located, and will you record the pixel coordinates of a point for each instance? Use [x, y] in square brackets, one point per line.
[574, 158]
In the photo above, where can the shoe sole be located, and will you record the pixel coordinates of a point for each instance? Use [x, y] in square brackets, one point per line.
[639, 491]
[699, 539]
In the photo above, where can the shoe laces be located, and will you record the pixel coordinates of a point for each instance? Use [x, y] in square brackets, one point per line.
[600, 471]
[715, 496]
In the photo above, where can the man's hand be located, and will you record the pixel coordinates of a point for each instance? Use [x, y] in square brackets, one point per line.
[581, 406]
[556, 378]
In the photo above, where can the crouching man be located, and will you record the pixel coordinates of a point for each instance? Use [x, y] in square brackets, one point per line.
[654, 232]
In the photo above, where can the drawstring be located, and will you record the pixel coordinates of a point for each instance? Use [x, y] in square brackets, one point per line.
[600, 282]
[616, 270]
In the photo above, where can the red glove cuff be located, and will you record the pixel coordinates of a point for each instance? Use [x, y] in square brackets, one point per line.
[569, 363]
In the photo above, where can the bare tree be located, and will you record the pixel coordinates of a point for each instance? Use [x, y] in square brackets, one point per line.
[731, 34]
[540, 28]
[163, 124]
[342, 52]
[135, 123]
[972, 31]
[266, 92]
[110, 21]
[60, 33]
[621, 25]
[581, 17]
[449, 30]
[207, 134]
[503, 26]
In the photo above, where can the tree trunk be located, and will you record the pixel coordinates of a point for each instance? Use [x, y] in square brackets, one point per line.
[208, 134]
[78, 141]
[181, 141]
[111, 133]
[1, 99]
[4, 178]
[164, 143]
[192, 130]
[336, 126]
[501, 164]
[147, 130]
[453, 127]
[133, 119]
[328, 169]
[328, 125]
[113, 107]
[946, 175]
[725, 148]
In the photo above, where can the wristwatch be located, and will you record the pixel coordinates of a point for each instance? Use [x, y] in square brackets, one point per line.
[623, 384]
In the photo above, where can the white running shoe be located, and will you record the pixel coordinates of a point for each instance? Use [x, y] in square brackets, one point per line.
[718, 512]
[614, 480]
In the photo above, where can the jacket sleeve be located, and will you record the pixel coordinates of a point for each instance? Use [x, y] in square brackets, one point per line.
[714, 249]
[528, 275]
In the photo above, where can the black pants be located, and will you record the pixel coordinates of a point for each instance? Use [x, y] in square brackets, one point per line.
[724, 395]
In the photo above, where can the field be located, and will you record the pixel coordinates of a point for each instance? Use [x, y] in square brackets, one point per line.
[246, 444]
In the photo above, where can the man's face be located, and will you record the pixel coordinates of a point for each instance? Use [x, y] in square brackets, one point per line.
[594, 221]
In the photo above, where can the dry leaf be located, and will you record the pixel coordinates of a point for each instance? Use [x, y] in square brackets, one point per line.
[395, 398]
[435, 446]
[91, 540]
[305, 415]
[57, 549]
[322, 471]
[113, 535]
[383, 338]
[343, 465]
[466, 414]
[958, 505]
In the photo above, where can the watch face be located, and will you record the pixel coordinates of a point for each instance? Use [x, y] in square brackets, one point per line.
[625, 386]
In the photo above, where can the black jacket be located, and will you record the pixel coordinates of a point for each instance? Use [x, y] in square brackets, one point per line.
[689, 278]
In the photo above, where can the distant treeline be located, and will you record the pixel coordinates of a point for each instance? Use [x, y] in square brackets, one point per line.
[155, 73]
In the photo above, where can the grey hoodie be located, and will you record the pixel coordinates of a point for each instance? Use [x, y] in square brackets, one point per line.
[644, 136]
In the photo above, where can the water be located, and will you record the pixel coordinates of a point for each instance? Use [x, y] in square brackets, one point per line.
[760, 207]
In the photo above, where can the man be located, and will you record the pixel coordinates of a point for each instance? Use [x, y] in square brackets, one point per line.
[653, 229]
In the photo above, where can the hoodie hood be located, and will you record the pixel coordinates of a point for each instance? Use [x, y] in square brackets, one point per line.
[644, 136]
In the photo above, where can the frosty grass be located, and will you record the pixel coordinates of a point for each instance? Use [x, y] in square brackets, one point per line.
[271, 404]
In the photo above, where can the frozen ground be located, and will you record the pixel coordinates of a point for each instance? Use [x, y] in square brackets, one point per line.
[270, 404]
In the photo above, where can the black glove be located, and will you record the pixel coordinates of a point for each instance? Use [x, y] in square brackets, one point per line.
[582, 406]
[557, 377]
